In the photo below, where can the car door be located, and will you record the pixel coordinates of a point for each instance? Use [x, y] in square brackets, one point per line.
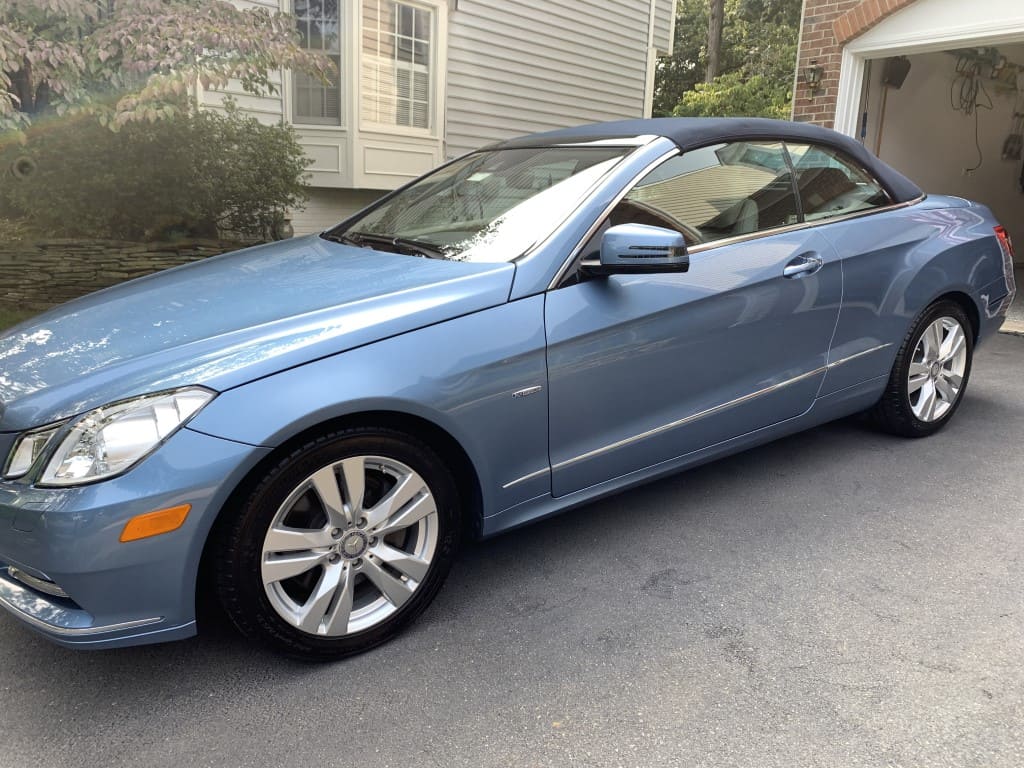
[646, 368]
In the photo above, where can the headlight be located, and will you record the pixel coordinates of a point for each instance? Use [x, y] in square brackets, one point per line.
[112, 439]
[27, 449]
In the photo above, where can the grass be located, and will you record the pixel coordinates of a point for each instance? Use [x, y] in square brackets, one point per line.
[9, 317]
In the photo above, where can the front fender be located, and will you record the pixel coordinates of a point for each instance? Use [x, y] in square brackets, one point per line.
[460, 375]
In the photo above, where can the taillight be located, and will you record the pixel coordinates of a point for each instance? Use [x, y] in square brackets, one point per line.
[1006, 246]
[1005, 242]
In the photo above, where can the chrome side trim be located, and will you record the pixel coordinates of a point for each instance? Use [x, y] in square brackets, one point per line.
[43, 585]
[10, 592]
[524, 478]
[804, 225]
[713, 410]
[843, 360]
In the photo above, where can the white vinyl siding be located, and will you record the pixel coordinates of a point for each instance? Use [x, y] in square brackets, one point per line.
[663, 26]
[327, 207]
[269, 108]
[535, 65]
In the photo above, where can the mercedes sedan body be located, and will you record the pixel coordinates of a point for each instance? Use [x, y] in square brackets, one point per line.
[309, 428]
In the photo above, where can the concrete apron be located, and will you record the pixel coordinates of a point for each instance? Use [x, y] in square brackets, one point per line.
[1014, 322]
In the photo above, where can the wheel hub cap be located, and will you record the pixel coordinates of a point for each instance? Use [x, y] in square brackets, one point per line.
[354, 544]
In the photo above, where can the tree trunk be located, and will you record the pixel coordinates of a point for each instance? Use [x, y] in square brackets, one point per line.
[715, 39]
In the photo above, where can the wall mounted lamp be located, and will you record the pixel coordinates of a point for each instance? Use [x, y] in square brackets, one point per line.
[812, 76]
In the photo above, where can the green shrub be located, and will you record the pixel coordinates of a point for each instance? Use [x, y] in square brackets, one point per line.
[188, 175]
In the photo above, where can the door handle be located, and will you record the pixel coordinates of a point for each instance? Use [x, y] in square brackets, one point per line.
[802, 265]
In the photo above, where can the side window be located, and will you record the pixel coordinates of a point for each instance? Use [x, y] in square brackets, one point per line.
[832, 184]
[713, 193]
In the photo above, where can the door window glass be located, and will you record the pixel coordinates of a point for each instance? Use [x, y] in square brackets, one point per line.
[831, 184]
[713, 193]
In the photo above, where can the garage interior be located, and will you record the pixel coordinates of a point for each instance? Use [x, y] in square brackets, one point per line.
[954, 122]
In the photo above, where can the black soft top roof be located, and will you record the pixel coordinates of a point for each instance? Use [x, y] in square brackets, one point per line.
[694, 132]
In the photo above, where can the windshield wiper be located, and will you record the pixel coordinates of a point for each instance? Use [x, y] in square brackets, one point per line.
[346, 238]
[404, 244]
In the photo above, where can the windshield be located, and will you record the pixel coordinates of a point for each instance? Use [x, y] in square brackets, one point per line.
[489, 206]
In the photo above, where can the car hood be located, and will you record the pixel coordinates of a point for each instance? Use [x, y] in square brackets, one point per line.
[228, 320]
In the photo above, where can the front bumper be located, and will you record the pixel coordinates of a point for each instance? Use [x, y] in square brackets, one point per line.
[117, 593]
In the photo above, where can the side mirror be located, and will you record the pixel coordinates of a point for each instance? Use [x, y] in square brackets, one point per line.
[639, 249]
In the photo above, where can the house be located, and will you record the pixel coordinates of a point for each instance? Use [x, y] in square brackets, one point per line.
[422, 81]
[934, 87]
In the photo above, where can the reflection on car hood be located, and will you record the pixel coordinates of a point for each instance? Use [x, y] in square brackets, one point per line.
[228, 320]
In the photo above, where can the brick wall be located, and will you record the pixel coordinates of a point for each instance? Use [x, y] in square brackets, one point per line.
[38, 275]
[827, 26]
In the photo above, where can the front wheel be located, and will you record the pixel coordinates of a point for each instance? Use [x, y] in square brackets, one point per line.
[341, 545]
[929, 377]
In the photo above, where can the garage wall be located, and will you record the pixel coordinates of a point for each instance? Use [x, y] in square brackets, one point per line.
[926, 139]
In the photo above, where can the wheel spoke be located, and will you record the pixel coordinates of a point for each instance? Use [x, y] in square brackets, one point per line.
[408, 515]
[953, 344]
[353, 473]
[337, 617]
[404, 492]
[414, 567]
[933, 343]
[312, 612]
[394, 590]
[926, 402]
[280, 568]
[916, 382]
[325, 484]
[945, 389]
[283, 539]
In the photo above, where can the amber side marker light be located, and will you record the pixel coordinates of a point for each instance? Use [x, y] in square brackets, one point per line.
[154, 523]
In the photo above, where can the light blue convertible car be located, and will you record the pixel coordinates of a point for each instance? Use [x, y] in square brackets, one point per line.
[309, 428]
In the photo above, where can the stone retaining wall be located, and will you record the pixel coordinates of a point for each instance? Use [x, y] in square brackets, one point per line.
[38, 275]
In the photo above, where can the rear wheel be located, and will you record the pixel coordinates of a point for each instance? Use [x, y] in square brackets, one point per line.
[341, 545]
[930, 374]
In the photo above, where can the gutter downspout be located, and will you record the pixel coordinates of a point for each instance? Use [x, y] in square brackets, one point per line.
[652, 61]
[799, 49]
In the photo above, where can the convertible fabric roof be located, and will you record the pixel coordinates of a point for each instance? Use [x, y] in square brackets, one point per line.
[694, 132]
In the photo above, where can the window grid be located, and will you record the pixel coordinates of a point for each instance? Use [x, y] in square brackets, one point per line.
[396, 67]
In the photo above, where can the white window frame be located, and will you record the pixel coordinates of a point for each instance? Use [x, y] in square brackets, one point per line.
[289, 94]
[438, 55]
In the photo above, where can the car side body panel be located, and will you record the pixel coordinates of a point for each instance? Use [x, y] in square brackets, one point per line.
[896, 263]
[686, 360]
[481, 378]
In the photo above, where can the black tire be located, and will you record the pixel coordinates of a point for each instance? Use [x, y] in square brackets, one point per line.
[894, 413]
[239, 553]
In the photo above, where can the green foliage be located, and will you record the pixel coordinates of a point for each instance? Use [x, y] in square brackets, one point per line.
[759, 43]
[734, 95]
[192, 174]
[131, 60]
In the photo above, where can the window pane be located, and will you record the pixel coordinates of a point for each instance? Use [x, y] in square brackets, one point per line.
[709, 194]
[396, 81]
[319, 28]
[833, 185]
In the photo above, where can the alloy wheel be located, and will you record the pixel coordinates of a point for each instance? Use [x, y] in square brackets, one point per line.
[349, 546]
[935, 378]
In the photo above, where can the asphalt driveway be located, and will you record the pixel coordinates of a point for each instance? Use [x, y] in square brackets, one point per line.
[839, 598]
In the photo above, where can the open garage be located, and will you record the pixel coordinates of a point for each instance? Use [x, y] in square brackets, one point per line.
[933, 89]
